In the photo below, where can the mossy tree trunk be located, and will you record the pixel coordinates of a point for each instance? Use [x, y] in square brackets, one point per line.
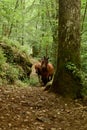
[68, 48]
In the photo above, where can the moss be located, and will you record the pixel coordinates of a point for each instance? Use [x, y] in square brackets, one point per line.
[17, 64]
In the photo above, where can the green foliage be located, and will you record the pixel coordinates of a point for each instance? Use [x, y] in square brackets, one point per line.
[11, 73]
[2, 62]
[30, 22]
[22, 48]
[84, 90]
[33, 81]
[2, 58]
[20, 83]
[84, 43]
[10, 42]
[8, 73]
[77, 74]
[32, 26]
[84, 56]
[84, 37]
[15, 64]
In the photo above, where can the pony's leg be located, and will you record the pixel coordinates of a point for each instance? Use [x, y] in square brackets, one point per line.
[39, 77]
[44, 80]
[50, 77]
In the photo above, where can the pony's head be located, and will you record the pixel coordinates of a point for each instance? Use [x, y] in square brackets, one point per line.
[44, 63]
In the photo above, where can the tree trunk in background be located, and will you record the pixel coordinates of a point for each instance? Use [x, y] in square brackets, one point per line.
[23, 23]
[5, 30]
[54, 29]
[68, 48]
[11, 26]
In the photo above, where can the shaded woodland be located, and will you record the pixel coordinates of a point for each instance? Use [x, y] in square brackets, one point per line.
[43, 65]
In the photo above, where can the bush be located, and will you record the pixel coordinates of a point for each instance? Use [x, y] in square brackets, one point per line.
[2, 62]
[9, 73]
[2, 58]
[84, 90]
[33, 81]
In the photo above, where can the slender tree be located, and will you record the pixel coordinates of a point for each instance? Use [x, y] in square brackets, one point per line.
[65, 83]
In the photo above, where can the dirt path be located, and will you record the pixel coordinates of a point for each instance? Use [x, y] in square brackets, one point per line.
[32, 108]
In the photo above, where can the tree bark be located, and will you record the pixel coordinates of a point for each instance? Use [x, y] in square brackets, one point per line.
[64, 82]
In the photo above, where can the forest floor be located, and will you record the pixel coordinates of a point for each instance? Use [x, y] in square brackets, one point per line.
[32, 108]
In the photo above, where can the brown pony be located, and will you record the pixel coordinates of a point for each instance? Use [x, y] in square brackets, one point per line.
[47, 70]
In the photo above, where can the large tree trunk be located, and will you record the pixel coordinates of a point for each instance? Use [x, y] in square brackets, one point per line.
[68, 48]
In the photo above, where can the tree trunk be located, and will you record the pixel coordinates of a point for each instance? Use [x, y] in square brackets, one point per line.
[11, 26]
[64, 82]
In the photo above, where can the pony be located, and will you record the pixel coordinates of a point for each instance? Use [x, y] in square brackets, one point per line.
[47, 70]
